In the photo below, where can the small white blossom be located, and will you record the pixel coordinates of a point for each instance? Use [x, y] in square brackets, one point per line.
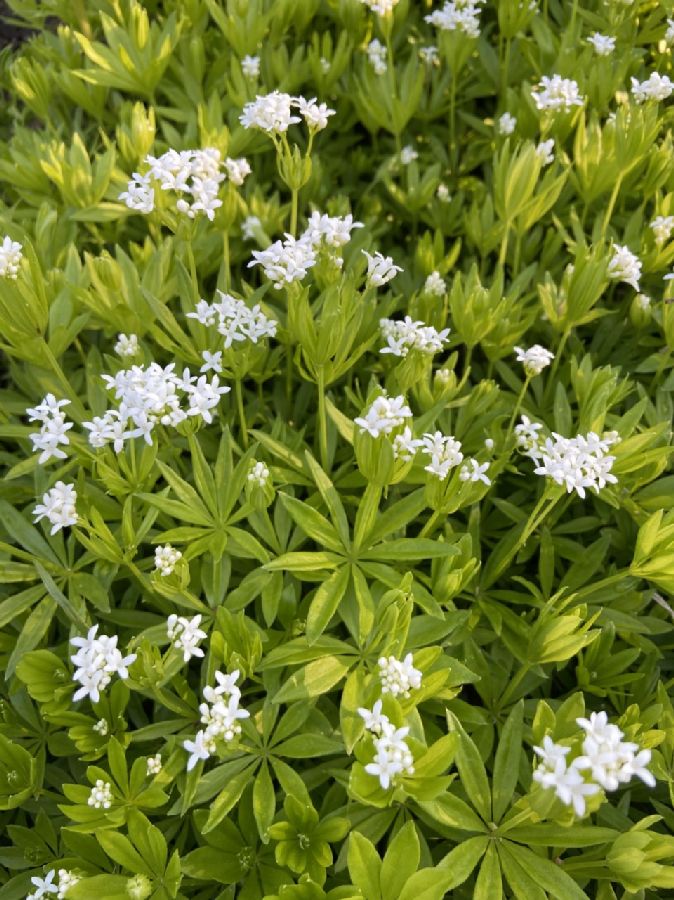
[656, 87]
[166, 558]
[43, 886]
[555, 93]
[380, 269]
[643, 301]
[624, 266]
[10, 257]
[58, 506]
[53, 430]
[404, 335]
[235, 321]
[435, 286]
[248, 227]
[97, 659]
[669, 34]
[154, 765]
[270, 112]
[527, 436]
[444, 452]
[66, 880]
[506, 123]
[237, 170]
[408, 154]
[185, 635]
[139, 194]
[472, 470]
[398, 677]
[535, 359]
[392, 755]
[430, 55]
[374, 719]
[250, 66]
[332, 232]
[285, 261]
[314, 114]
[385, 414]
[221, 714]
[258, 474]
[377, 56]
[127, 345]
[201, 748]
[405, 446]
[101, 727]
[380, 7]
[544, 151]
[662, 227]
[442, 193]
[489, 444]
[459, 15]
[101, 795]
[575, 463]
[603, 44]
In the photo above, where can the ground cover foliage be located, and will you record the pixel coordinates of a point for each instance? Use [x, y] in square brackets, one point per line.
[352, 608]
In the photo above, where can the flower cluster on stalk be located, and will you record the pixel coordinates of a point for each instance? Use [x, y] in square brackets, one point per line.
[96, 661]
[53, 428]
[221, 714]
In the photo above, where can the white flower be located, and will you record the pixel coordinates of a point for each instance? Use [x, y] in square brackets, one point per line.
[380, 7]
[249, 226]
[602, 43]
[377, 55]
[166, 558]
[374, 719]
[185, 635]
[270, 112]
[285, 261]
[258, 474]
[576, 463]
[212, 361]
[315, 114]
[403, 336]
[392, 755]
[325, 65]
[398, 677]
[506, 123]
[405, 446]
[127, 345]
[643, 301]
[380, 269]
[460, 15]
[535, 359]
[58, 506]
[250, 66]
[139, 194]
[10, 257]
[237, 170]
[154, 765]
[385, 414]
[43, 886]
[527, 437]
[408, 154]
[442, 193]
[202, 747]
[662, 227]
[669, 34]
[444, 451]
[430, 55]
[101, 727]
[624, 266]
[656, 87]
[236, 322]
[435, 286]
[472, 470]
[544, 151]
[97, 659]
[66, 880]
[611, 760]
[489, 444]
[553, 758]
[52, 434]
[101, 795]
[331, 231]
[572, 789]
[556, 93]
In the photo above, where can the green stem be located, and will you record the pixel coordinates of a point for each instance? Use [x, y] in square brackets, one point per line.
[225, 253]
[289, 378]
[293, 212]
[504, 244]
[514, 684]
[506, 66]
[516, 409]
[611, 204]
[429, 527]
[552, 380]
[452, 120]
[242, 412]
[322, 421]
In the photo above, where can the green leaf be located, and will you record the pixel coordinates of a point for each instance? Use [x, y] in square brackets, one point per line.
[400, 861]
[264, 801]
[489, 884]
[506, 763]
[471, 770]
[312, 680]
[364, 865]
[325, 602]
[550, 876]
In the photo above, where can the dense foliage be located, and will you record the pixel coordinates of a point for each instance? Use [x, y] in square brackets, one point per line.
[336, 532]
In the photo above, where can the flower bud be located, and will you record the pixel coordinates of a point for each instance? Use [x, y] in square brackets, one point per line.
[139, 887]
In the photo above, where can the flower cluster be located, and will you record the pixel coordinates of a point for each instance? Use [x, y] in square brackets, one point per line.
[329, 231]
[53, 428]
[434, 285]
[535, 359]
[97, 659]
[656, 87]
[624, 266]
[10, 257]
[408, 154]
[397, 676]
[44, 887]
[220, 713]
[285, 261]
[250, 66]
[385, 414]
[609, 760]
[185, 635]
[58, 506]
[101, 795]
[273, 113]
[576, 463]
[404, 335]
[154, 764]
[166, 558]
[603, 44]
[127, 345]
[376, 54]
[258, 474]
[149, 396]
[380, 7]
[662, 227]
[472, 470]
[392, 755]
[380, 269]
[444, 452]
[544, 152]
[557, 93]
[506, 123]
[234, 320]
[458, 15]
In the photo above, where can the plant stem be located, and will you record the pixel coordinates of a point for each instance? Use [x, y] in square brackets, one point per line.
[518, 404]
[514, 684]
[293, 212]
[555, 363]
[322, 420]
[504, 244]
[611, 204]
[242, 412]
[429, 527]
[225, 253]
